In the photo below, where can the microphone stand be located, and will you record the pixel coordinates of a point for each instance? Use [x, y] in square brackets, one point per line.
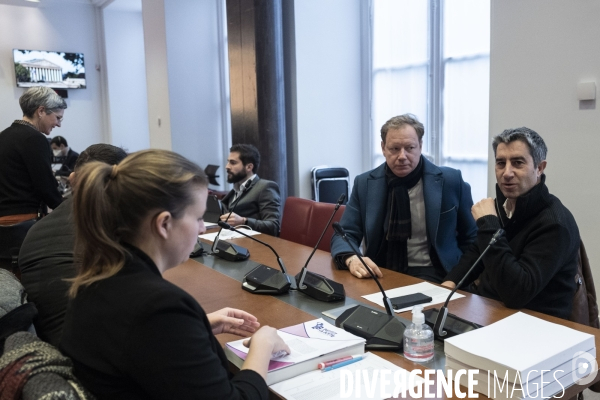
[381, 331]
[263, 279]
[230, 251]
[438, 327]
[319, 287]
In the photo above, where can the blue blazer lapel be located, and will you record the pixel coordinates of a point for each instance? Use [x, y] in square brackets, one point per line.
[433, 183]
[375, 210]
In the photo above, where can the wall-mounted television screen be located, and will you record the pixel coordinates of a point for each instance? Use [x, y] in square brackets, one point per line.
[49, 68]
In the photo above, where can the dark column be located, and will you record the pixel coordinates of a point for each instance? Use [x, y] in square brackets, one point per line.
[257, 85]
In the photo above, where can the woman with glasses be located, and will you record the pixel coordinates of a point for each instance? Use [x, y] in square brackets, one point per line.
[27, 184]
[130, 333]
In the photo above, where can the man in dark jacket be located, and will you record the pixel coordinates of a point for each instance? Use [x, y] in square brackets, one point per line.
[534, 265]
[46, 257]
[413, 216]
[63, 152]
[257, 201]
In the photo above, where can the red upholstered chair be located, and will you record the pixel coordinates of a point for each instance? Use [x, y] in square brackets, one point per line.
[304, 220]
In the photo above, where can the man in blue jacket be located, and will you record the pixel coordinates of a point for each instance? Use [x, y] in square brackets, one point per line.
[413, 216]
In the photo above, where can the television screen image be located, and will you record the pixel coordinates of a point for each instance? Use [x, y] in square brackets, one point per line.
[54, 69]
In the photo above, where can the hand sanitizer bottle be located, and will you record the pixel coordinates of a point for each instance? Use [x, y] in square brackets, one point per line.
[418, 338]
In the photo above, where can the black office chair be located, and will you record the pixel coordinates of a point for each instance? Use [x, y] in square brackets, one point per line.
[328, 183]
[210, 172]
[11, 239]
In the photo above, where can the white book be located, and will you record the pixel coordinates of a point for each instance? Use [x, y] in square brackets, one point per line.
[311, 343]
[552, 384]
[519, 344]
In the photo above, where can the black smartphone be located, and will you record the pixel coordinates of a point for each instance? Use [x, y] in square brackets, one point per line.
[409, 300]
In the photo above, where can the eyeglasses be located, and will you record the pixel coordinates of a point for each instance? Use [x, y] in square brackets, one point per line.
[58, 117]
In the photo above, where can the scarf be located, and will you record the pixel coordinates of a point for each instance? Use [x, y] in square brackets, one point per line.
[398, 223]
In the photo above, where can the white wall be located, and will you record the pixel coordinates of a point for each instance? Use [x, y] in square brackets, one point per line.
[67, 27]
[157, 81]
[328, 84]
[126, 73]
[540, 50]
[195, 77]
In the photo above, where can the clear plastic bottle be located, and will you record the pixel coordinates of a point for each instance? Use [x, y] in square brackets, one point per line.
[418, 338]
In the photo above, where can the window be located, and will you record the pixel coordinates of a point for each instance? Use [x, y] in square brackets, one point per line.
[431, 59]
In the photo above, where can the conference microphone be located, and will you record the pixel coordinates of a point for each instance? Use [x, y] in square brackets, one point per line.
[230, 251]
[456, 325]
[263, 279]
[315, 285]
[381, 331]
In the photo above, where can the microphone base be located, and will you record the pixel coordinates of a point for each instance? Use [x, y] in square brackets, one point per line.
[321, 288]
[381, 331]
[266, 280]
[453, 326]
[231, 252]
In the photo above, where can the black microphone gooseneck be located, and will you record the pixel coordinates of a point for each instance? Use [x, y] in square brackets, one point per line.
[438, 328]
[303, 272]
[317, 286]
[381, 331]
[278, 283]
[386, 301]
[230, 251]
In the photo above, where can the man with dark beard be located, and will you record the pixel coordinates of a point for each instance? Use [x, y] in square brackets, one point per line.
[259, 204]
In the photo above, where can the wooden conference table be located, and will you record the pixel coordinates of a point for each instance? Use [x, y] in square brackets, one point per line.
[216, 283]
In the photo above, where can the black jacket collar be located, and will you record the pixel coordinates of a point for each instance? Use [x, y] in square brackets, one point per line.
[528, 205]
[140, 258]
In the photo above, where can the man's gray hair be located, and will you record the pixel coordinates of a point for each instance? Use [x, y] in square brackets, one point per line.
[37, 96]
[401, 120]
[537, 147]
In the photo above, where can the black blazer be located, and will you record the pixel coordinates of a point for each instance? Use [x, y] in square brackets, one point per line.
[136, 336]
[68, 165]
[261, 204]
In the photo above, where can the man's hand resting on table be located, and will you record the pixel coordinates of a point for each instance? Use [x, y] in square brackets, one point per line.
[357, 268]
[449, 284]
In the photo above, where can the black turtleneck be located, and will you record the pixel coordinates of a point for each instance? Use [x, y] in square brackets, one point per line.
[533, 266]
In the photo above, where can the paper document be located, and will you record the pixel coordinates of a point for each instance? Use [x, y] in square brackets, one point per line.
[209, 224]
[438, 294]
[317, 385]
[523, 344]
[552, 383]
[227, 234]
[308, 340]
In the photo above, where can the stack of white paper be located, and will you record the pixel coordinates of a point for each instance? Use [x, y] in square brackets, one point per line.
[227, 235]
[371, 378]
[522, 357]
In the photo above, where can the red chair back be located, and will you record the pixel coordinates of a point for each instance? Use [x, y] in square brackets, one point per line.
[304, 220]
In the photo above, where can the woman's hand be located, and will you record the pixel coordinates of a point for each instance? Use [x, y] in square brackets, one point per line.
[268, 336]
[263, 345]
[232, 320]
